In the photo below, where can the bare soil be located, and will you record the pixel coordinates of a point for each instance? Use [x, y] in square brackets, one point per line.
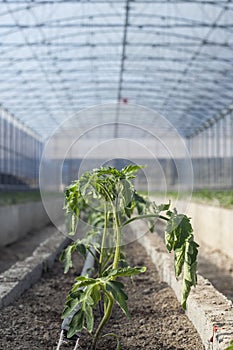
[158, 321]
[24, 247]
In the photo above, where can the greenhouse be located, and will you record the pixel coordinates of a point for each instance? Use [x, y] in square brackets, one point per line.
[116, 149]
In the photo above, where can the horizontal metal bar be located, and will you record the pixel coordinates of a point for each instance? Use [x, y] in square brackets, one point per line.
[116, 25]
[72, 45]
[210, 2]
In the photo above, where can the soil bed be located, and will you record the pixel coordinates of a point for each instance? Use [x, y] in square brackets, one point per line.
[158, 321]
[24, 247]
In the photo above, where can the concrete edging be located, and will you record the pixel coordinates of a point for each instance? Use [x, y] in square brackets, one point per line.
[210, 311]
[21, 275]
[208, 219]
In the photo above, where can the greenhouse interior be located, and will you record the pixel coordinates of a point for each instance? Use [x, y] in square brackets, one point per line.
[116, 149]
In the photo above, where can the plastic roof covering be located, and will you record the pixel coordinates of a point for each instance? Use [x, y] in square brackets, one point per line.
[58, 57]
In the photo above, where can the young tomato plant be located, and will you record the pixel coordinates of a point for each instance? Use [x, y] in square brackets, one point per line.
[107, 200]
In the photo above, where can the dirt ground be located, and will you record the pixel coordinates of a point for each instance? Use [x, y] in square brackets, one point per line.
[158, 321]
[23, 248]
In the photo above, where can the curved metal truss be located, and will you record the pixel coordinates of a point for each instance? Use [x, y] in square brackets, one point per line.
[57, 57]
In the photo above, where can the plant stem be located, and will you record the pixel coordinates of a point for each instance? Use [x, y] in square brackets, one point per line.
[102, 250]
[105, 319]
[145, 216]
[118, 240]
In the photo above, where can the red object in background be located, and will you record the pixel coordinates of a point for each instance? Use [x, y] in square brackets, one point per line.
[124, 100]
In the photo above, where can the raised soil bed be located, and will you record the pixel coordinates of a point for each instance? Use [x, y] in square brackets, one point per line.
[158, 321]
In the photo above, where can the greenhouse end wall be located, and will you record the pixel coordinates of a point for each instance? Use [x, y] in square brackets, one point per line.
[20, 153]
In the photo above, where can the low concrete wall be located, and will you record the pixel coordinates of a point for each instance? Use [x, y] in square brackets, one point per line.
[18, 220]
[213, 226]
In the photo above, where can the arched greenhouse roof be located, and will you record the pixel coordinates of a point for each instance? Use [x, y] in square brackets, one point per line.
[59, 57]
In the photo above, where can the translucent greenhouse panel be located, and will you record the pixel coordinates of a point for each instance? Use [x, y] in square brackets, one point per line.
[212, 155]
[19, 162]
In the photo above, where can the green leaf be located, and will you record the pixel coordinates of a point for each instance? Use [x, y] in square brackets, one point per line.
[127, 192]
[82, 281]
[179, 260]
[95, 293]
[169, 240]
[116, 288]
[131, 169]
[66, 257]
[179, 237]
[81, 248]
[185, 292]
[89, 317]
[77, 324]
[71, 305]
[161, 207]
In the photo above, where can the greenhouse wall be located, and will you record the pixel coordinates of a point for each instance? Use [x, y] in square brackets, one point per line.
[20, 153]
[211, 150]
[157, 175]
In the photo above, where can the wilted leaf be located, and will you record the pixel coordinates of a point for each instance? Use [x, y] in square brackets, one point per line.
[116, 288]
[77, 324]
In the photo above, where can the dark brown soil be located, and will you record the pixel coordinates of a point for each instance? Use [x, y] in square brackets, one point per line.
[158, 321]
[23, 248]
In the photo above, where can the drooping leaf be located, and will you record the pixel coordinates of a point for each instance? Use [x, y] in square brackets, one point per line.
[71, 304]
[96, 293]
[116, 288]
[179, 237]
[89, 317]
[179, 260]
[77, 324]
[126, 191]
[169, 240]
[66, 257]
[81, 248]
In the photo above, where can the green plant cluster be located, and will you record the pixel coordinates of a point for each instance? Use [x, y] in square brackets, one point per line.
[17, 197]
[222, 198]
[107, 200]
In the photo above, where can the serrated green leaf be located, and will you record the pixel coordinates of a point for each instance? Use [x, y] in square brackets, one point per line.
[169, 240]
[70, 306]
[81, 248]
[179, 237]
[66, 257]
[131, 169]
[95, 293]
[116, 288]
[185, 292]
[89, 317]
[179, 260]
[126, 191]
[82, 281]
[161, 207]
[77, 324]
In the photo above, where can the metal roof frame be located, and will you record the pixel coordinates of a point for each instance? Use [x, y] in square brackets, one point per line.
[175, 57]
